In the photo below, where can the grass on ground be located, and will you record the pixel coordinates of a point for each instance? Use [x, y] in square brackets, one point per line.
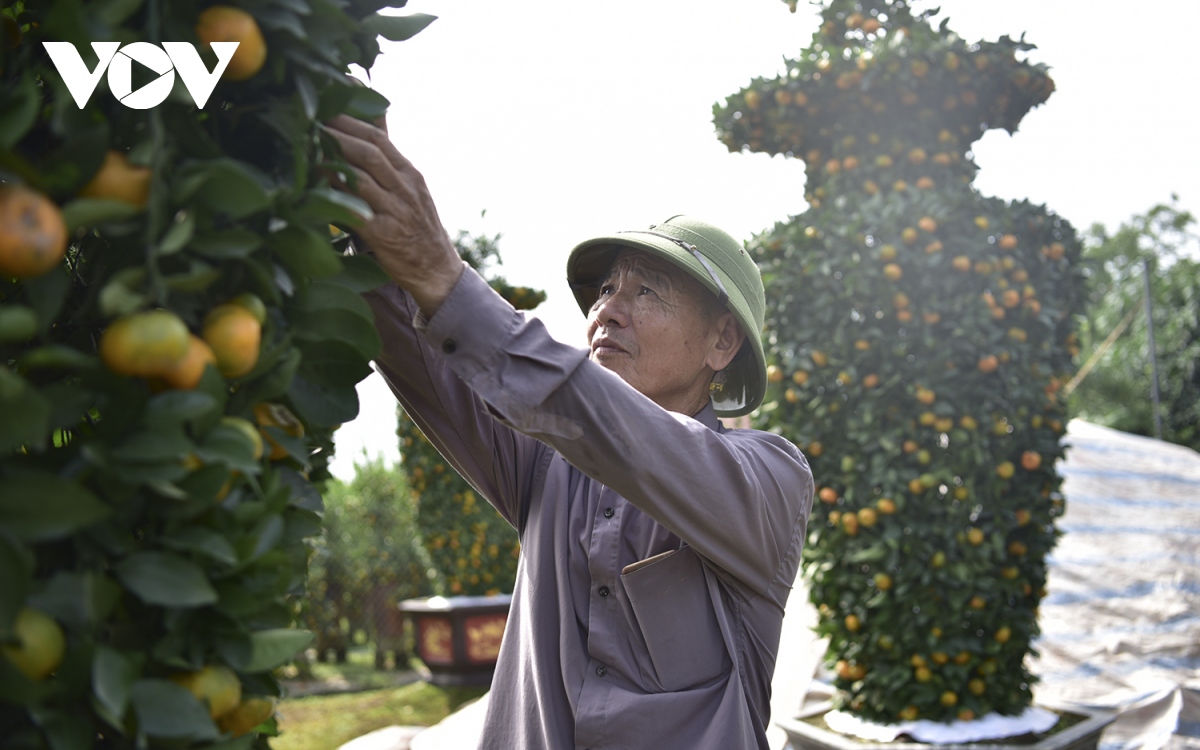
[323, 722]
[356, 673]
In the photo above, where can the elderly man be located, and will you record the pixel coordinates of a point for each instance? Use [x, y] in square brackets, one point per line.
[658, 547]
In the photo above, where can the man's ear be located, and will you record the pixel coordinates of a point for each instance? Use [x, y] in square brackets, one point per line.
[730, 338]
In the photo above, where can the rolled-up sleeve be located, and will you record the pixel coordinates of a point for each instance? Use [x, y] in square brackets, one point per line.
[740, 498]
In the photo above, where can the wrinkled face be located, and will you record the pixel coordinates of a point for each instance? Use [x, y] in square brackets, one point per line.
[656, 327]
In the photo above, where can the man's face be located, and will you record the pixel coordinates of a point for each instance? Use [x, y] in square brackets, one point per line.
[650, 325]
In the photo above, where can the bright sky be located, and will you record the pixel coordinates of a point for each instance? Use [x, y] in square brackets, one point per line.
[567, 120]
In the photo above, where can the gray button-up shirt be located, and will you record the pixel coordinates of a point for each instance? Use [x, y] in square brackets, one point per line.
[657, 549]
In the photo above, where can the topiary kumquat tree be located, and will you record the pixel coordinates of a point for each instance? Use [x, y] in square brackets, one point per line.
[919, 334]
[179, 336]
[473, 549]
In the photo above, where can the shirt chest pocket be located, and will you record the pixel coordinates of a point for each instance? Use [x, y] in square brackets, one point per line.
[670, 599]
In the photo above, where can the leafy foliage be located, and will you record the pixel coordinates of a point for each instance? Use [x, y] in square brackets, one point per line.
[369, 558]
[474, 550]
[1117, 392]
[919, 335]
[163, 522]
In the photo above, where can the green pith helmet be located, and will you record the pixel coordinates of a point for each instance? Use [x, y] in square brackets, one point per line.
[717, 261]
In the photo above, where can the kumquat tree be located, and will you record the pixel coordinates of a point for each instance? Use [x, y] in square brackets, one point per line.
[473, 549]
[920, 333]
[180, 334]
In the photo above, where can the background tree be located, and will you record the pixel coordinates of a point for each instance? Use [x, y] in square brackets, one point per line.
[368, 560]
[1116, 391]
[473, 549]
[178, 339]
[920, 334]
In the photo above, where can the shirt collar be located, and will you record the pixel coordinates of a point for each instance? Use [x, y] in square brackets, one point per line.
[708, 417]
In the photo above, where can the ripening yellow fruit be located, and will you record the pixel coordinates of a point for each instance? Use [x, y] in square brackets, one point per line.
[247, 715]
[33, 235]
[216, 686]
[187, 373]
[249, 430]
[146, 344]
[222, 23]
[119, 180]
[40, 644]
[235, 335]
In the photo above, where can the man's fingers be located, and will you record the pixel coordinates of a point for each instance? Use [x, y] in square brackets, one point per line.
[347, 125]
[370, 191]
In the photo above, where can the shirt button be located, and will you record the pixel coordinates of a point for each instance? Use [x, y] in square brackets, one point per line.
[601, 670]
[603, 591]
[449, 346]
[608, 512]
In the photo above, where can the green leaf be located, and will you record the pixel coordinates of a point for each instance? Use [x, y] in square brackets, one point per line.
[333, 363]
[329, 295]
[16, 569]
[156, 444]
[305, 252]
[167, 710]
[18, 111]
[90, 212]
[230, 446]
[205, 483]
[367, 104]
[397, 28]
[120, 296]
[26, 413]
[178, 234]
[323, 405]
[79, 598]
[67, 168]
[340, 325]
[307, 93]
[335, 207]
[266, 534]
[361, 273]
[37, 507]
[230, 243]
[166, 579]
[274, 648]
[273, 384]
[112, 678]
[180, 406]
[204, 540]
[279, 19]
[56, 357]
[227, 186]
[64, 730]
[304, 495]
[17, 323]
[47, 294]
[113, 12]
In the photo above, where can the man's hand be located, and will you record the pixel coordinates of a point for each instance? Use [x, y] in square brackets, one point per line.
[405, 234]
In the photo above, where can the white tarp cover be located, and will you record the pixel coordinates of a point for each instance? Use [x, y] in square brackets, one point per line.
[1121, 621]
